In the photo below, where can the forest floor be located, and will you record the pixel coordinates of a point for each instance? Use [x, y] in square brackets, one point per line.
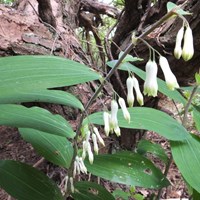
[12, 146]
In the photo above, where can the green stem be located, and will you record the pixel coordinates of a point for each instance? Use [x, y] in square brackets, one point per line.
[95, 95]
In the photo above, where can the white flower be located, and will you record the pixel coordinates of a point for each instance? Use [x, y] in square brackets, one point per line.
[188, 48]
[139, 95]
[81, 165]
[150, 84]
[94, 139]
[178, 49]
[113, 118]
[106, 118]
[98, 136]
[130, 95]
[71, 184]
[117, 131]
[169, 76]
[90, 154]
[85, 147]
[124, 109]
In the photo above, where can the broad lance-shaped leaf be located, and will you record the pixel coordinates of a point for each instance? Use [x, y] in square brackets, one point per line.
[42, 72]
[48, 96]
[145, 146]
[162, 87]
[90, 191]
[186, 155]
[127, 168]
[25, 182]
[54, 148]
[36, 118]
[146, 119]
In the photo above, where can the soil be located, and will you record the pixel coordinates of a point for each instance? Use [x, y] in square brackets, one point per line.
[12, 146]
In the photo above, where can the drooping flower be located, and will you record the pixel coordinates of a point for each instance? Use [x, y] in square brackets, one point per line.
[169, 76]
[94, 139]
[71, 184]
[124, 109]
[130, 95]
[179, 38]
[117, 131]
[113, 118]
[188, 47]
[90, 153]
[150, 84]
[139, 95]
[100, 139]
[106, 119]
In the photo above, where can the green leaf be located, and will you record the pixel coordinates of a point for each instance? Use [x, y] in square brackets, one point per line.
[48, 96]
[54, 148]
[145, 146]
[178, 10]
[129, 58]
[186, 155]
[90, 191]
[195, 195]
[25, 182]
[121, 194]
[146, 119]
[42, 72]
[162, 87]
[127, 168]
[36, 118]
[196, 117]
[197, 78]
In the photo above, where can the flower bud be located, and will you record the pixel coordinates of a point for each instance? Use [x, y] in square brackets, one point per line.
[117, 131]
[188, 48]
[72, 184]
[150, 84]
[139, 95]
[82, 166]
[106, 119]
[75, 169]
[98, 136]
[113, 118]
[94, 139]
[169, 76]
[66, 182]
[130, 95]
[124, 109]
[85, 147]
[178, 49]
[90, 154]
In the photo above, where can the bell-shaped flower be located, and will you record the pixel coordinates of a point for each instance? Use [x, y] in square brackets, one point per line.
[82, 165]
[169, 76]
[113, 118]
[130, 95]
[94, 139]
[150, 84]
[100, 139]
[85, 147]
[124, 109]
[106, 119]
[188, 47]
[117, 131]
[179, 38]
[139, 95]
[71, 184]
[90, 154]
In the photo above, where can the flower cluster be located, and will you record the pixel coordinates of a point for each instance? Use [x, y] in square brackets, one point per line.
[79, 166]
[87, 149]
[187, 51]
[151, 85]
[131, 83]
